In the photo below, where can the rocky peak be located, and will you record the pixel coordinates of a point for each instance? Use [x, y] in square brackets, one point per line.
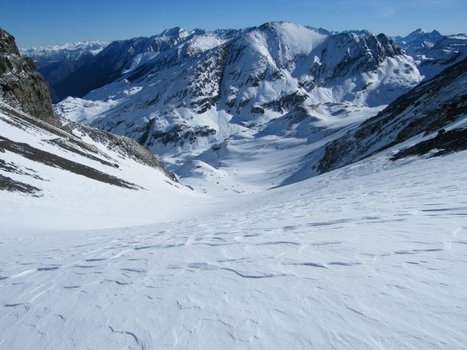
[346, 54]
[177, 32]
[21, 86]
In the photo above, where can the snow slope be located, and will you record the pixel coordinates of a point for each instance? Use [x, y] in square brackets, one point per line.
[368, 256]
[77, 177]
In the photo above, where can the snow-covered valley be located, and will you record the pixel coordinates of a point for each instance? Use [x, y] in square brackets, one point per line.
[369, 256]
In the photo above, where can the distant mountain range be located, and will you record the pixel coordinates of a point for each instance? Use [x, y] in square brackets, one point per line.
[433, 51]
[59, 61]
[206, 101]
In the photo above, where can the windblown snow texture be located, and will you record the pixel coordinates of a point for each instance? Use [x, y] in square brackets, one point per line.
[369, 254]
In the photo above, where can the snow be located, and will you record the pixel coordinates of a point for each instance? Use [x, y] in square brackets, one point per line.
[206, 42]
[283, 41]
[92, 47]
[83, 111]
[368, 256]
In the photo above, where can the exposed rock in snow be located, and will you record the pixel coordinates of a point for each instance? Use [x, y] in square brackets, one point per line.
[436, 105]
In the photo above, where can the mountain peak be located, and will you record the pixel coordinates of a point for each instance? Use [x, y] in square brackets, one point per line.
[422, 32]
[278, 25]
[419, 33]
[174, 32]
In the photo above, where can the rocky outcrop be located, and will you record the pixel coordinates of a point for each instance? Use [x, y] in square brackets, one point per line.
[124, 146]
[21, 86]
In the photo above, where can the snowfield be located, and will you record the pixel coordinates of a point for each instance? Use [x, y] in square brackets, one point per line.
[369, 256]
[247, 247]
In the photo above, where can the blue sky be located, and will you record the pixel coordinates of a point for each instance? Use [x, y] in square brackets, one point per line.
[45, 22]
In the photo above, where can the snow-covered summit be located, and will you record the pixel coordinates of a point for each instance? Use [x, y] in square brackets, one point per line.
[182, 96]
[175, 32]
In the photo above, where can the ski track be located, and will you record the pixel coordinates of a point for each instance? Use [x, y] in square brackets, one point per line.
[350, 259]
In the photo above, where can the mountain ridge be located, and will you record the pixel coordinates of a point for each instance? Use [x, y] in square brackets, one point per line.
[32, 134]
[200, 99]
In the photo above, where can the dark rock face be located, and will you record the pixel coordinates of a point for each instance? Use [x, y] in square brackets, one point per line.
[57, 71]
[8, 184]
[444, 142]
[20, 85]
[55, 64]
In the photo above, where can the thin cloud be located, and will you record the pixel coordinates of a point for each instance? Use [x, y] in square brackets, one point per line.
[387, 11]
